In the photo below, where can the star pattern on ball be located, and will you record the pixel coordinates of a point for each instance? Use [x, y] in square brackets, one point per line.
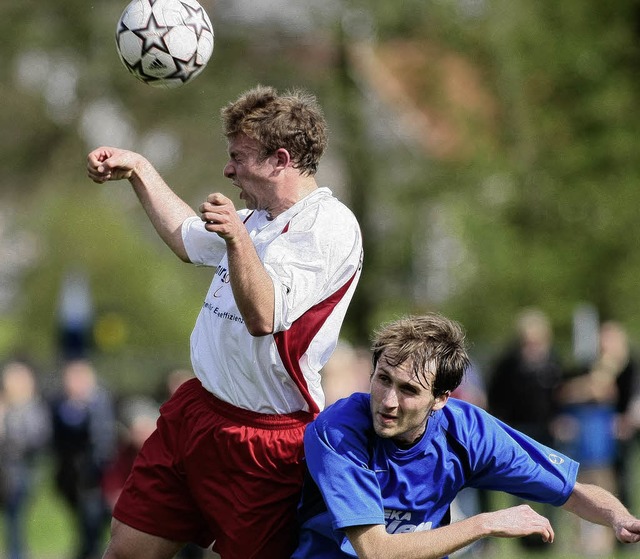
[152, 35]
[195, 19]
[138, 71]
[164, 43]
[185, 69]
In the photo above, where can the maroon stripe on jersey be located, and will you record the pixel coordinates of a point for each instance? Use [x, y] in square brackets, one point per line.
[294, 342]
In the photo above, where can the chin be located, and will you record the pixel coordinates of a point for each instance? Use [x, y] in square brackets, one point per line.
[383, 433]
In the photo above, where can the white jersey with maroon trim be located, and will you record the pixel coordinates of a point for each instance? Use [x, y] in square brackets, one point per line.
[313, 253]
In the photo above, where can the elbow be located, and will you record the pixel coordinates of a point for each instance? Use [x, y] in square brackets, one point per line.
[259, 328]
[258, 332]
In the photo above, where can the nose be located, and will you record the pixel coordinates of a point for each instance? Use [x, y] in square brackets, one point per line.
[229, 170]
[390, 399]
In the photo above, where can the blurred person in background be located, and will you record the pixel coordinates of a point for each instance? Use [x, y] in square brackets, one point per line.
[171, 381]
[347, 371]
[471, 501]
[84, 443]
[285, 270]
[523, 383]
[24, 434]
[617, 356]
[596, 423]
[524, 378]
[137, 416]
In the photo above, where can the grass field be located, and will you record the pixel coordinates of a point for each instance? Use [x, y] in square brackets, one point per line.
[51, 534]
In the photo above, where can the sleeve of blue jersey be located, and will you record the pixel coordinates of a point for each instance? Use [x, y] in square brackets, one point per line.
[504, 459]
[339, 468]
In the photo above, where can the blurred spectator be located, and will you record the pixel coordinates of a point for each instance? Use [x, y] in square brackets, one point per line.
[84, 439]
[24, 433]
[597, 425]
[137, 417]
[525, 377]
[172, 381]
[471, 501]
[615, 353]
[523, 384]
[75, 315]
[347, 371]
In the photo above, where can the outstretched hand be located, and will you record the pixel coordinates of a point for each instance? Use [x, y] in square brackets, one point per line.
[517, 522]
[110, 164]
[628, 531]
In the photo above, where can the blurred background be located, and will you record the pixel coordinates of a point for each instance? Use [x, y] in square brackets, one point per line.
[489, 149]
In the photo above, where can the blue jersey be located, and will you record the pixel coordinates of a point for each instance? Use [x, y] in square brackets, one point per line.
[365, 479]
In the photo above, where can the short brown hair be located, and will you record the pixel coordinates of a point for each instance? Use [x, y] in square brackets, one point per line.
[293, 121]
[431, 340]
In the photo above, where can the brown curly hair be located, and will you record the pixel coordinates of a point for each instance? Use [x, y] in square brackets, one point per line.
[293, 121]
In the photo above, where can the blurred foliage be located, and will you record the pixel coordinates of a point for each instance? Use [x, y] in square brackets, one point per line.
[545, 206]
[540, 210]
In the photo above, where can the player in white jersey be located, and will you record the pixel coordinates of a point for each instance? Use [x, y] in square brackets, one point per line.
[293, 247]
[224, 465]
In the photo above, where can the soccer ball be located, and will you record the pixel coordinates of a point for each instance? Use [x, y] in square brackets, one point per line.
[164, 43]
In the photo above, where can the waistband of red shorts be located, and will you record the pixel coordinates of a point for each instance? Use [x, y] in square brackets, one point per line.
[253, 418]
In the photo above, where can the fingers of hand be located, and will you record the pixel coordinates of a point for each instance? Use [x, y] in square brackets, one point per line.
[217, 211]
[217, 199]
[98, 168]
[97, 173]
[106, 164]
[210, 213]
[628, 536]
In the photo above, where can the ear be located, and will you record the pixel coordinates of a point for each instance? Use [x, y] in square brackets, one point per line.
[441, 401]
[282, 158]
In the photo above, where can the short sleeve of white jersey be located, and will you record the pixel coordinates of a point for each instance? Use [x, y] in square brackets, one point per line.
[203, 247]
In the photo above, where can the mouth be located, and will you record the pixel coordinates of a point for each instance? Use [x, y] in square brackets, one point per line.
[387, 419]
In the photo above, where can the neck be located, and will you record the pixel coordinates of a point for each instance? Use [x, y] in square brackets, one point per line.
[292, 195]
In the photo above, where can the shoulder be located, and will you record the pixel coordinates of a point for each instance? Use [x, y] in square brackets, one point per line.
[479, 432]
[464, 420]
[346, 422]
[322, 209]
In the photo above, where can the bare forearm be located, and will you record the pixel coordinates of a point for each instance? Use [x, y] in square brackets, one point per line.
[252, 286]
[601, 507]
[430, 544]
[165, 209]
[372, 542]
[595, 504]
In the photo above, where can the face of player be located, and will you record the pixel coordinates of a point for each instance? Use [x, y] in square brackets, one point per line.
[400, 405]
[253, 177]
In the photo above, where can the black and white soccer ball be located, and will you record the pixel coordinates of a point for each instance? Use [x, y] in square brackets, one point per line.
[164, 43]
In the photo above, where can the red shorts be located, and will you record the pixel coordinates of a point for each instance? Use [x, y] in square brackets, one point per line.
[212, 472]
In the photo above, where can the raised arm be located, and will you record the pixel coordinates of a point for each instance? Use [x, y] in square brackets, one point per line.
[601, 507]
[373, 542]
[165, 209]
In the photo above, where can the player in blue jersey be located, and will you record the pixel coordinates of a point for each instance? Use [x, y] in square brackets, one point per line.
[385, 467]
